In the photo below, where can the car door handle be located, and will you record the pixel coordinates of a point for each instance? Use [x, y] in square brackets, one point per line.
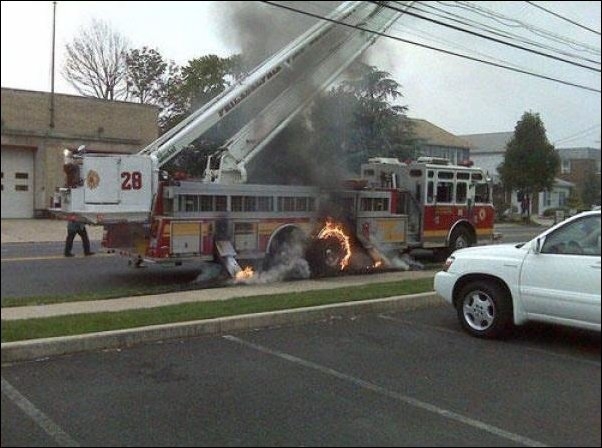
[596, 266]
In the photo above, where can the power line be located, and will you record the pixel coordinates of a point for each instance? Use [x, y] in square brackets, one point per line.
[429, 47]
[457, 28]
[493, 15]
[564, 18]
[579, 134]
[447, 15]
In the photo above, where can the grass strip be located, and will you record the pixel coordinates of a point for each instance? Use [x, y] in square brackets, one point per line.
[18, 330]
[9, 302]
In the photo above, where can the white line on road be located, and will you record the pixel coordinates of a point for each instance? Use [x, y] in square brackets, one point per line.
[391, 394]
[41, 419]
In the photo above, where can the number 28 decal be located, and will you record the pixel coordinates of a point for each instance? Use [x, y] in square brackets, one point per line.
[131, 181]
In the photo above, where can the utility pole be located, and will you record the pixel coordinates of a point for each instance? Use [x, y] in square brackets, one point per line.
[52, 66]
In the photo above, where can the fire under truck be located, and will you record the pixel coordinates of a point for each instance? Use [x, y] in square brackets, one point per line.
[393, 207]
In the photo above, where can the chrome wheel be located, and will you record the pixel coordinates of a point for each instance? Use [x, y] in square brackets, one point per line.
[478, 310]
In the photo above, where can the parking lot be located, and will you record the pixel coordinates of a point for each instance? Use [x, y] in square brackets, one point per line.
[375, 380]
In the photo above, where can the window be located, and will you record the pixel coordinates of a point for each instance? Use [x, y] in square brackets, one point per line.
[300, 204]
[415, 173]
[565, 166]
[547, 198]
[562, 198]
[286, 204]
[461, 192]
[581, 237]
[463, 176]
[477, 176]
[221, 203]
[445, 175]
[265, 204]
[21, 176]
[481, 194]
[429, 193]
[206, 203]
[237, 203]
[250, 203]
[188, 203]
[21, 188]
[445, 192]
[374, 204]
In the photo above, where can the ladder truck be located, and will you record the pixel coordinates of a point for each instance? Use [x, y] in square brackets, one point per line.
[154, 218]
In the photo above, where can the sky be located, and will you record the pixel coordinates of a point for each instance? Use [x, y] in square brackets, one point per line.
[460, 96]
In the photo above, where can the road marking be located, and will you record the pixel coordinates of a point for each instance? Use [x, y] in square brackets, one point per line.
[41, 419]
[53, 257]
[390, 394]
[461, 333]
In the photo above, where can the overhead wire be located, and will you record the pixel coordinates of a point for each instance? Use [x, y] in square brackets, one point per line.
[464, 30]
[564, 18]
[447, 15]
[580, 134]
[430, 47]
[516, 23]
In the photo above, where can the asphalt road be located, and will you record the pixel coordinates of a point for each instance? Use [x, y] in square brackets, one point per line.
[410, 379]
[38, 270]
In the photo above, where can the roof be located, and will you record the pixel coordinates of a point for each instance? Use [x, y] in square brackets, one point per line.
[488, 143]
[563, 183]
[580, 153]
[434, 135]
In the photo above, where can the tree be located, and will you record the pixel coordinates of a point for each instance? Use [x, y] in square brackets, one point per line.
[146, 75]
[341, 130]
[530, 163]
[96, 62]
[187, 90]
[590, 194]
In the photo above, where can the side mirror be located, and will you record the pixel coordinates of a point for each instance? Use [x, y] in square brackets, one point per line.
[537, 245]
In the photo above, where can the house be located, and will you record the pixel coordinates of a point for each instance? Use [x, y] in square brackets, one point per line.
[38, 126]
[433, 141]
[580, 166]
[487, 151]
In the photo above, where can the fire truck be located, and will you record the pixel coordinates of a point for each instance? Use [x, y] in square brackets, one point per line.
[394, 206]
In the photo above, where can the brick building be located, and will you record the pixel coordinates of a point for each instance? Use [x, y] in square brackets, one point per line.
[33, 141]
[577, 165]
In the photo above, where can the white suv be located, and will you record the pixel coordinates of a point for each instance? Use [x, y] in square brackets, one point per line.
[553, 278]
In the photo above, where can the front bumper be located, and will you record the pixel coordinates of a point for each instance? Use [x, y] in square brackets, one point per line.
[444, 285]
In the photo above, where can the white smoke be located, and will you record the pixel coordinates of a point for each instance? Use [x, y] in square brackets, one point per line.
[288, 264]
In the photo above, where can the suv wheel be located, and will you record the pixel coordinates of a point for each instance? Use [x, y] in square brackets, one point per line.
[484, 309]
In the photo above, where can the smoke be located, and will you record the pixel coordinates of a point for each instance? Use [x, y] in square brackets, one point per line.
[406, 262]
[210, 271]
[259, 30]
[287, 264]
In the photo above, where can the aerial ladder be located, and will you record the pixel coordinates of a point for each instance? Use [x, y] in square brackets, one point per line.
[121, 188]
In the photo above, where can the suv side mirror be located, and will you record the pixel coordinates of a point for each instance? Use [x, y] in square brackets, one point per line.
[537, 245]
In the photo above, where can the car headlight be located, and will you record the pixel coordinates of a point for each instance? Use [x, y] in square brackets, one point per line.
[448, 263]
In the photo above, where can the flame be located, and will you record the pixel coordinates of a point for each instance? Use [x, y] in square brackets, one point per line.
[378, 264]
[245, 274]
[331, 229]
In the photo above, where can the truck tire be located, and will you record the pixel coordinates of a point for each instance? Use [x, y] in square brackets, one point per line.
[459, 239]
[325, 257]
[484, 309]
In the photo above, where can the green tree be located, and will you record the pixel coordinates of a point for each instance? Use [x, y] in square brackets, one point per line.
[187, 90]
[530, 163]
[590, 194]
[146, 75]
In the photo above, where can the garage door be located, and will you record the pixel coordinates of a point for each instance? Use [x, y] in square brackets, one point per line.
[17, 183]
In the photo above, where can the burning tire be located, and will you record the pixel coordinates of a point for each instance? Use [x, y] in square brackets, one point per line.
[326, 256]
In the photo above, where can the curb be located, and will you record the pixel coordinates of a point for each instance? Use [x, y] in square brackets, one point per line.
[41, 348]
